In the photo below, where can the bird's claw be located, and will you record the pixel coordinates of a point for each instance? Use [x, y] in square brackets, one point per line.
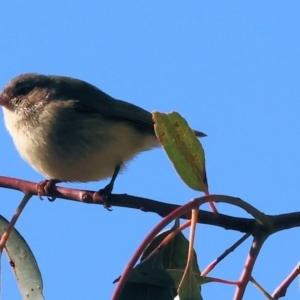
[44, 188]
[104, 194]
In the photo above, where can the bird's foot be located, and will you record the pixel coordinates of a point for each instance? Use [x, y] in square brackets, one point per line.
[44, 188]
[104, 193]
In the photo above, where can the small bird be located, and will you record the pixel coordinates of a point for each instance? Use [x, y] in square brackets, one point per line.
[69, 130]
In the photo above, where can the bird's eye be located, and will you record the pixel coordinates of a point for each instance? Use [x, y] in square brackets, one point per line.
[24, 90]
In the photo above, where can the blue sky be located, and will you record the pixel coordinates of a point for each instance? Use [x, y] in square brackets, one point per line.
[231, 68]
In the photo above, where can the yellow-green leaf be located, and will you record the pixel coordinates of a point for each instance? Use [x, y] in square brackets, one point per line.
[183, 149]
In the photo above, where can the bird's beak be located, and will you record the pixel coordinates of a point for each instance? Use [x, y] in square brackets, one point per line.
[3, 101]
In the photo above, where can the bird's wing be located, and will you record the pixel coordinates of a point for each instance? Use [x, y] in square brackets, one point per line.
[119, 110]
[89, 99]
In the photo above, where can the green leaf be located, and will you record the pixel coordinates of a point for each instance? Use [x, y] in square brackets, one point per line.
[175, 253]
[156, 241]
[161, 270]
[189, 289]
[23, 264]
[146, 292]
[148, 280]
[177, 276]
[183, 149]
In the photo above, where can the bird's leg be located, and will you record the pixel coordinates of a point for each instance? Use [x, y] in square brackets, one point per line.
[45, 186]
[108, 189]
[106, 192]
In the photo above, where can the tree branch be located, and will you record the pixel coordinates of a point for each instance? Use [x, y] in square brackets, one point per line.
[247, 225]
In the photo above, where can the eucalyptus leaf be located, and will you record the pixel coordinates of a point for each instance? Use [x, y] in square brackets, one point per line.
[183, 149]
[23, 263]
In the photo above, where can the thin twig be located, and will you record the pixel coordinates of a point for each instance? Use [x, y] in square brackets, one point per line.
[13, 221]
[212, 265]
[281, 290]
